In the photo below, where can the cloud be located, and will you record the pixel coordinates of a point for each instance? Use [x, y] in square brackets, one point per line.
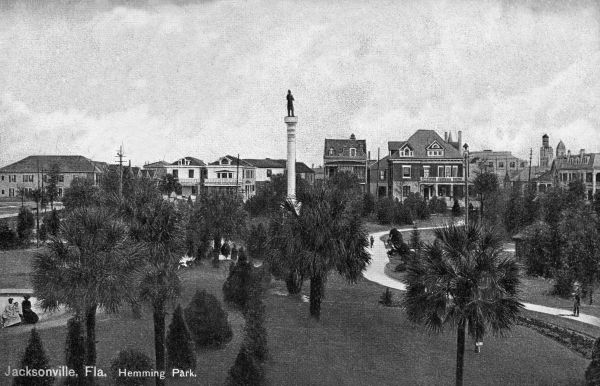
[206, 79]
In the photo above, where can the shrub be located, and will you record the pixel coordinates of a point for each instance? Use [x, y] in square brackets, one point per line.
[207, 321]
[246, 371]
[75, 351]
[255, 339]
[234, 253]
[563, 283]
[25, 224]
[385, 210]
[8, 237]
[34, 358]
[52, 222]
[386, 298]
[368, 204]
[415, 238]
[132, 360]
[180, 352]
[237, 287]
[402, 215]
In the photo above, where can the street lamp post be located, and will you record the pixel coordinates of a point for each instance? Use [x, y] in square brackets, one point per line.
[466, 154]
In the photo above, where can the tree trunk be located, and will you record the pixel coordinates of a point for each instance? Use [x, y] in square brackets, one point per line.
[294, 282]
[460, 352]
[316, 294]
[159, 340]
[591, 290]
[90, 340]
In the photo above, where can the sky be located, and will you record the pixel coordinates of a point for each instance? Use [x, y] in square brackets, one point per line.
[208, 78]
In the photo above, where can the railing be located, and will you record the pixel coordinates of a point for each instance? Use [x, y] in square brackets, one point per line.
[442, 179]
[223, 181]
[189, 181]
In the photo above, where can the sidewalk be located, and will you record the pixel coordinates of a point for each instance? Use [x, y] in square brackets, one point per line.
[375, 272]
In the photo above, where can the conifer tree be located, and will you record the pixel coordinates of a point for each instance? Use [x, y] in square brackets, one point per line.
[255, 338]
[34, 358]
[75, 352]
[207, 321]
[180, 352]
[246, 371]
[415, 238]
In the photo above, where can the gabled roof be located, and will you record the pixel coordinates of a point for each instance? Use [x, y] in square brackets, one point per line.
[233, 161]
[193, 162]
[342, 147]
[66, 164]
[266, 163]
[156, 165]
[420, 141]
[383, 163]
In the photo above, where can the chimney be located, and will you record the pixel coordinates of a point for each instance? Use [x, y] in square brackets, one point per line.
[459, 140]
[445, 136]
[352, 136]
[129, 163]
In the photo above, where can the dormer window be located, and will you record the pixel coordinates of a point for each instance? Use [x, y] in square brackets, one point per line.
[224, 161]
[352, 152]
[406, 152]
[435, 150]
[331, 151]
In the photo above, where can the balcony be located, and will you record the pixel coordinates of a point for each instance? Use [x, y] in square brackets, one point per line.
[222, 182]
[189, 181]
[442, 179]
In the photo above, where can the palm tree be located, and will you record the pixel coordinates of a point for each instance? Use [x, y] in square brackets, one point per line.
[325, 234]
[156, 226]
[90, 264]
[464, 280]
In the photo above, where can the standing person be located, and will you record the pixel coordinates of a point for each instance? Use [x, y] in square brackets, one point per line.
[28, 315]
[576, 303]
[10, 316]
[372, 241]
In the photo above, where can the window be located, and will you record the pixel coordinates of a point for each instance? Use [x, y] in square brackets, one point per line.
[455, 171]
[501, 165]
[225, 175]
[435, 153]
[512, 165]
[382, 174]
[27, 177]
[11, 192]
[12, 178]
[426, 171]
[3, 192]
[491, 164]
[352, 152]
[61, 178]
[175, 173]
[331, 151]
[1, 178]
[269, 172]
[249, 174]
[405, 191]
[191, 173]
[448, 171]
[405, 171]
[441, 171]
[407, 152]
[523, 164]
[60, 192]
[224, 161]
[194, 189]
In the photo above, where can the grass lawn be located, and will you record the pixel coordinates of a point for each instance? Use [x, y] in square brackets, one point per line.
[15, 266]
[357, 342]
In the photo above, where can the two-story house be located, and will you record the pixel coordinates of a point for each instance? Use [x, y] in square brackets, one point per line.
[230, 174]
[346, 155]
[582, 166]
[32, 172]
[266, 168]
[427, 164]
[190, 172]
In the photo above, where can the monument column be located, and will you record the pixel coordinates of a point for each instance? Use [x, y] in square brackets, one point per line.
[291, 156]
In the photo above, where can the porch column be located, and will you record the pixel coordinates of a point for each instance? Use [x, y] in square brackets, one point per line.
[593, 182]
[435, 186]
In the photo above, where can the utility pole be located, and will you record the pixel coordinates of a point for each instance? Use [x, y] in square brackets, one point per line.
[529, 178]
[120, 155]
[367, 188]
[466, 173]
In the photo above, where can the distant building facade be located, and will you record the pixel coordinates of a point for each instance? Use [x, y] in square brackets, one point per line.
[581, 166]
[425, 163]
[32, 172]
[345, 155]
[546, 153]
[190, 173]
[230, 174]
[267, 167]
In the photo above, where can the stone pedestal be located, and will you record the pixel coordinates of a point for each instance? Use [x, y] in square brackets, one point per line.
[291, 156]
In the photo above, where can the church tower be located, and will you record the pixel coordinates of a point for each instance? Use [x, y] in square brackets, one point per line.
[546, 153]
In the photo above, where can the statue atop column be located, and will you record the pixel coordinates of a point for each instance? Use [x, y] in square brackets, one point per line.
[290, 104]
